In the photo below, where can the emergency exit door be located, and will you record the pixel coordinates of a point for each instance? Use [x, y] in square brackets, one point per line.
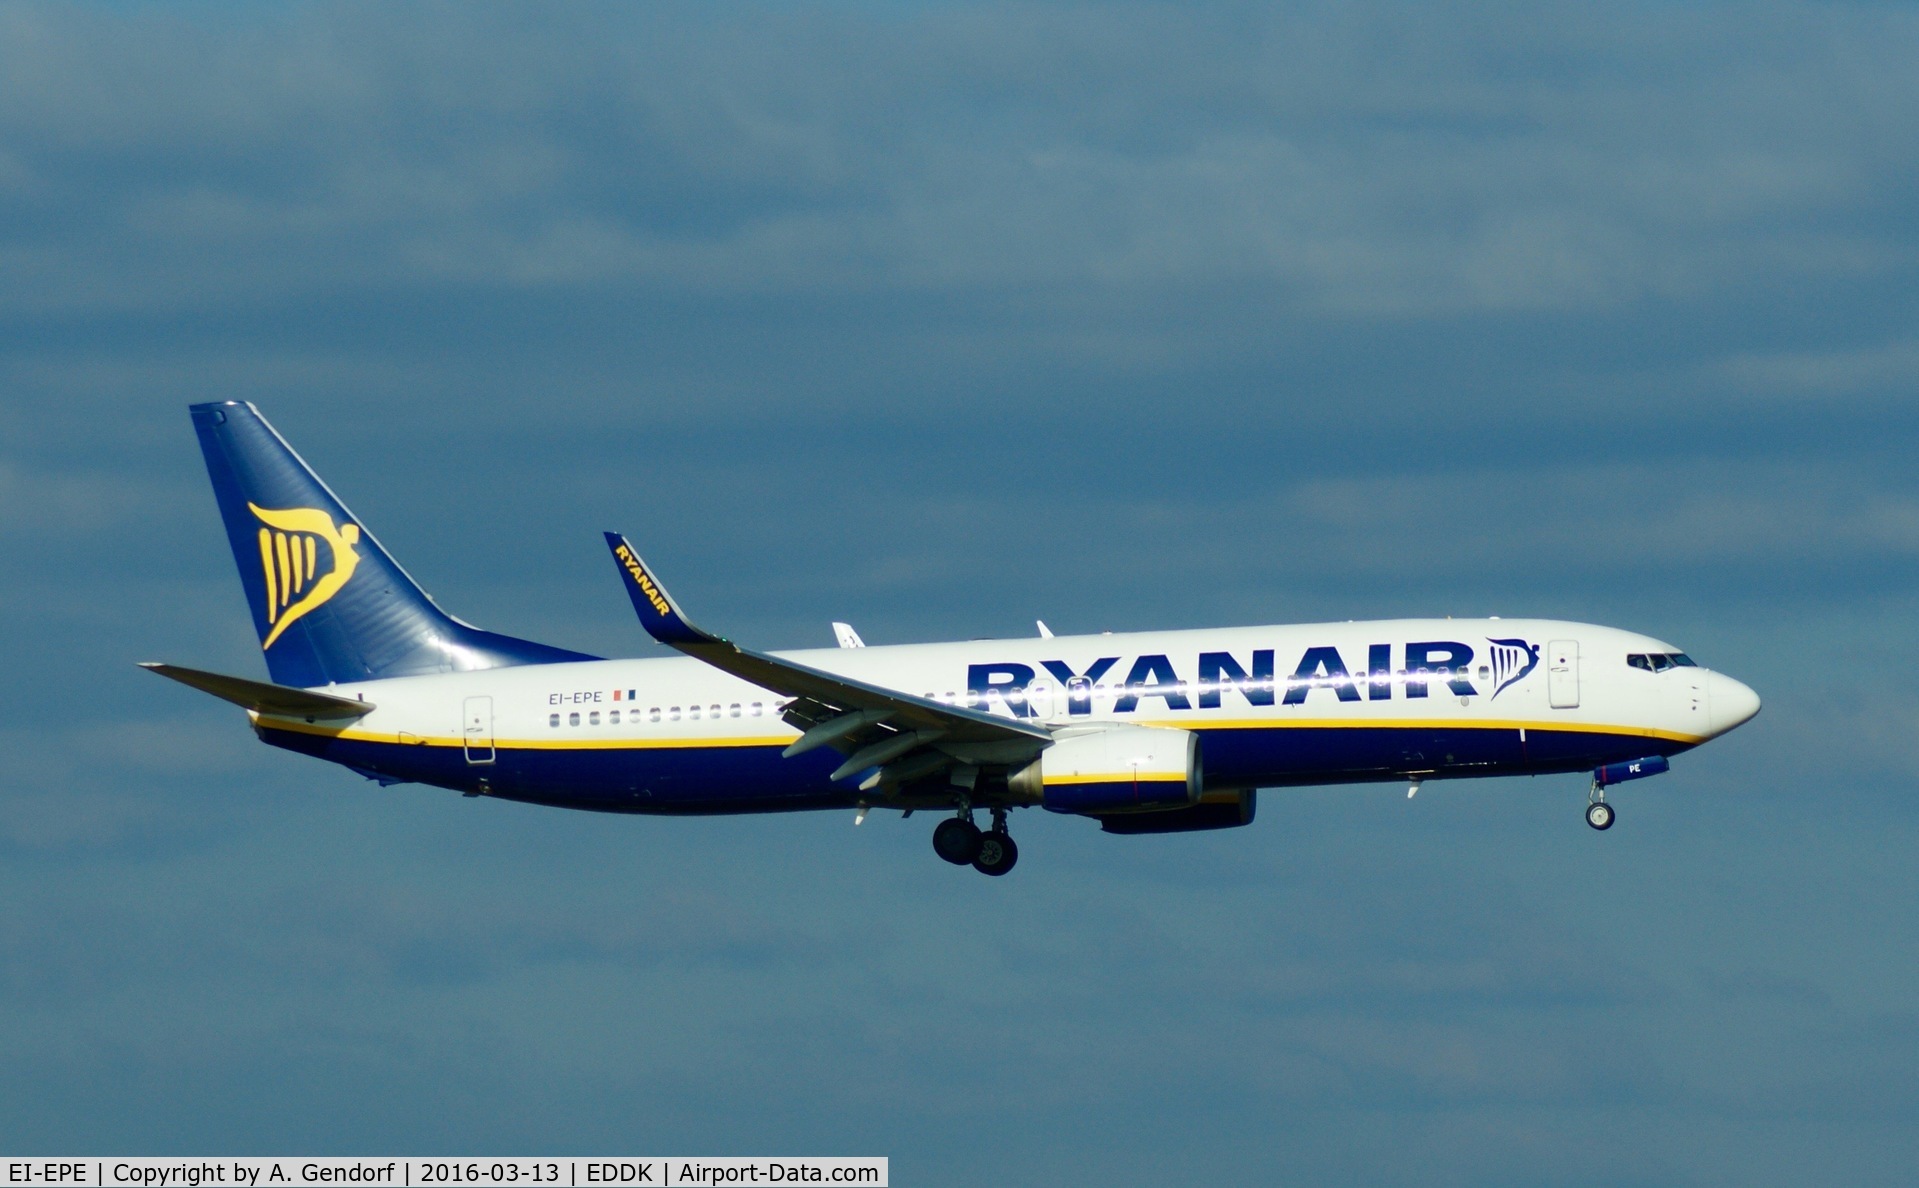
[476, 734]
[1562, 673]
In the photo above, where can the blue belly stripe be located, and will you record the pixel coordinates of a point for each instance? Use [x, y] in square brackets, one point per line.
[702, 780]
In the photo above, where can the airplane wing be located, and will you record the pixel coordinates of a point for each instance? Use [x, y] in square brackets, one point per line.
[262, 698]
[907, 737]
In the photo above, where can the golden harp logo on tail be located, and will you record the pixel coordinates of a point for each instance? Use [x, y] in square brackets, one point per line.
[290, 558]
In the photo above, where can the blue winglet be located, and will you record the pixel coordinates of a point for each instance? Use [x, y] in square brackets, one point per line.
[658, 613]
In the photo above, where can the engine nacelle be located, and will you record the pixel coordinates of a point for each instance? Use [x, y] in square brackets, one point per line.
[1114, 769]
[1217, 810]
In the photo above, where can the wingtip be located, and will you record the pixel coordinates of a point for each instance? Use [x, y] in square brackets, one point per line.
[659, 614]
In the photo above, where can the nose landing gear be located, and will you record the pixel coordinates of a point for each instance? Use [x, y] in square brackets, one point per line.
[1598, 812]
[963, 843]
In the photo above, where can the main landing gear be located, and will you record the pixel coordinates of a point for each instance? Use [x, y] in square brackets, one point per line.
[1598, 812]
[963, 843]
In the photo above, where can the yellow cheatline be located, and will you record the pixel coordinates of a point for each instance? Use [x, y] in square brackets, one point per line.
[266, 564]
[1124, 777]
[317, 524]
[1428, 724]
[353, 734]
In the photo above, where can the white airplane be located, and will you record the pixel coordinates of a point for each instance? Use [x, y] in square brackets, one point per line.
[1147, 732]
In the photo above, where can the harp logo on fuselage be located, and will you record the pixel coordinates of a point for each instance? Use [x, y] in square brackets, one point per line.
[290, 560]
[1512, 660]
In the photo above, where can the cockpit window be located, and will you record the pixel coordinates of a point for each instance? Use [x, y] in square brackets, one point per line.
[1659, 661]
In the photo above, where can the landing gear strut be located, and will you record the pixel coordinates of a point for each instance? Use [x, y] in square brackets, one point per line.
[1598, 812]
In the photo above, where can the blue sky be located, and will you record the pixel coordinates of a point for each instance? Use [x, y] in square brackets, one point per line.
[939, 319]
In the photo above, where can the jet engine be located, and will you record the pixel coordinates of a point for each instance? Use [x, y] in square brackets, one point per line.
[1113, 769]
[1228, 809]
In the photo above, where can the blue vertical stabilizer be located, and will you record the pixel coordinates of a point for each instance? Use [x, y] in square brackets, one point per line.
[329, 603]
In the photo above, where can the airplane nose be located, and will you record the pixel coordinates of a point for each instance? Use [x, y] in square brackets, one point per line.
[1732, 703]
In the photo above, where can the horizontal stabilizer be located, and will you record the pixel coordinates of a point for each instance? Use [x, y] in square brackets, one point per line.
[263, 698]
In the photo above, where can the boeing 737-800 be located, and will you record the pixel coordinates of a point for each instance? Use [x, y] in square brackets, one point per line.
[1147, 732]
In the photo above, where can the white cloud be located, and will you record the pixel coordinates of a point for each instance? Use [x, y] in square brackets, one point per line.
[1362, 162]
[1886, 366]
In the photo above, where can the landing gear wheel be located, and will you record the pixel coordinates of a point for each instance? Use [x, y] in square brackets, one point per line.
[957, 840]
[997, 853]
[1599, 815]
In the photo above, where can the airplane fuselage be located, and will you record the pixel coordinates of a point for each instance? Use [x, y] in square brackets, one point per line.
[1272, 706]
[1149, 732]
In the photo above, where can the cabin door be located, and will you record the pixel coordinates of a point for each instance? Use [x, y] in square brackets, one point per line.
[476, 731]
[1562, 673]
[1040, 697]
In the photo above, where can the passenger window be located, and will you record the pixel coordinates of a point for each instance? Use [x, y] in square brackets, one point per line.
[653, 715]
[674, 713]
[693, 712]
[758, 709]
[593, 719]
[613, 719]
[573, 719]
[733, 711]
[714, 712]
[553, 719]
[1485, 673]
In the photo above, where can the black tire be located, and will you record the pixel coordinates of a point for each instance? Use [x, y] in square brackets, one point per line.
[957, 840]
[1599, 815]
[997, 854]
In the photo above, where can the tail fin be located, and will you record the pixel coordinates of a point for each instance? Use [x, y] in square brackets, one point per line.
[329, 603]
